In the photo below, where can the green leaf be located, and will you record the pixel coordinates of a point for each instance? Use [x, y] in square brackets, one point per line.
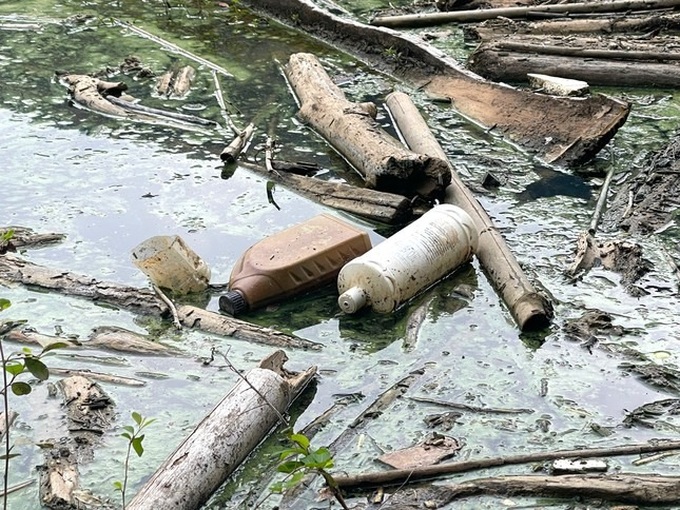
[53, 346]
[126, 436]
[129, 429]
[300, 439]
[10, 456]
[147, 421]
[118, 485]
[280, 487]
[290, 466]
[319, 459]
[137, 417]
[290, 452]
[21, 388]
[27, 350]
[14, 367]
[37, 368]
[137, 445]
[4, 304]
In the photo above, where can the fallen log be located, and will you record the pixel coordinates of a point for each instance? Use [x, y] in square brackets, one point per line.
[438, 18]
[21, 237]
[508, 61]
[89, 92]
[17, 270]
[224, 438]
[372, 204]
[638, 489]
[232, 151]
[204, 320]
[530, 309]
[176, 83]
[559, 130]
[616, 24]
[383, 162]
[402, 476]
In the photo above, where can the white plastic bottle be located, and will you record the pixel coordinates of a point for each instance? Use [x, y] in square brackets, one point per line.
[414, 258]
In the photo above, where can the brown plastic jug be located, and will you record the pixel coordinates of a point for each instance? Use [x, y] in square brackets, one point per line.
[292, 261]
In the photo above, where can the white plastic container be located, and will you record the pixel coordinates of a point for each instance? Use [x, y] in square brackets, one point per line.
[412, 259]
[170, 263]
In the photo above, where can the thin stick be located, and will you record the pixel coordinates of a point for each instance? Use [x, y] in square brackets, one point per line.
[219, 95]
[282, 419]
[191, 56]
[170, 304]
[398, 476]
[16, 487]
[601, 201]
[474, 409]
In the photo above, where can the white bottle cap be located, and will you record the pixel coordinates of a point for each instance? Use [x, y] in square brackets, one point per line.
[352, 300]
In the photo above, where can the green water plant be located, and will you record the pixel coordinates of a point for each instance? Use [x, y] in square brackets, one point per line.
[302, 459]
[134, 436]
[14, 365]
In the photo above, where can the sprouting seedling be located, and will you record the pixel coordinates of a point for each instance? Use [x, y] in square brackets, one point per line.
[13, 366]
[301, 460]
[134, 436]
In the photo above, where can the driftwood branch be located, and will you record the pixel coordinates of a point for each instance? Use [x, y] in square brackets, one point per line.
[22, 237]
[372, 204]
[639, 489]
[400, 476]
[17, 270]
[529, 309]
[501, 62]
[232, 151]
[438, 18]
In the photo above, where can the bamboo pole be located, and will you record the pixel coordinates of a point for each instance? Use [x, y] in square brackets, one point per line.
[439, 18]
[530, 310]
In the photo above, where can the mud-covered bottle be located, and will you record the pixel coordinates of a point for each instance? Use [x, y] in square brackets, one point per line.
[295, 260]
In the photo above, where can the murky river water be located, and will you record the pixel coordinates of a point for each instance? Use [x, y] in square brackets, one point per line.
[109, 185]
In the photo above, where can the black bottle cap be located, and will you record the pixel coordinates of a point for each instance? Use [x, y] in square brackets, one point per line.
[233, 303]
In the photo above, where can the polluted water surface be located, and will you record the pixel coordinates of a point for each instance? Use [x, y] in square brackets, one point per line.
[110, 183]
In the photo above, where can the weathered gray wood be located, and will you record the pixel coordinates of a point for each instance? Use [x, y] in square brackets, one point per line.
[211, 322]
[501, 62]
[399, 476]
[232, 151]
[530, 309]
[222, 440]
[372, 204]
[621, 24]
[89, 413]
[629, 488]
[385, 164]
[563, 131]
[438, 18]
[17, 270]
[176, 83]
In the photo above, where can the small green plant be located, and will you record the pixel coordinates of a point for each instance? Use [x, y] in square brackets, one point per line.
[391, 53]
[302, 459]
[13, 366]
[134, 436]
